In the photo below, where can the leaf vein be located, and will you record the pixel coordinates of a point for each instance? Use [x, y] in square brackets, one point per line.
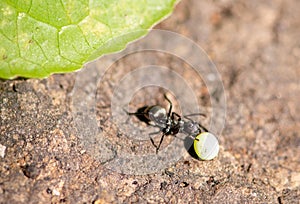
[67, 14]
[60, 54]
[85, 39]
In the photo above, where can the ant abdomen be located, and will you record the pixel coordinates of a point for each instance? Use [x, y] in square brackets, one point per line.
[157, 115]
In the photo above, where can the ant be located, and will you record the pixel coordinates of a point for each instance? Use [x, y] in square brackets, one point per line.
[170, 123]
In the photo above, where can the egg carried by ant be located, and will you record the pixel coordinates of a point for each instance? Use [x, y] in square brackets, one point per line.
[206, 146]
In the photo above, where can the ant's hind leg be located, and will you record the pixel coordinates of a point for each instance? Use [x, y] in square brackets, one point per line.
[130, 114]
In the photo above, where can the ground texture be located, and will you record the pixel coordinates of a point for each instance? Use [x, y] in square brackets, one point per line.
[256, 48]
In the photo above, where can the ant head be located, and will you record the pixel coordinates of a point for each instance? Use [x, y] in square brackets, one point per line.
[158, 115]
[191, 127]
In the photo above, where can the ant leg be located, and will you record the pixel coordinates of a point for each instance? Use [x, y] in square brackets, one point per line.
[161, 139]
[194, 114]
[176, 114]
[204, 128]
[151, 139]
[193, 137]
[128, 113]
[171, 105]
[132, 113]
[142, 114]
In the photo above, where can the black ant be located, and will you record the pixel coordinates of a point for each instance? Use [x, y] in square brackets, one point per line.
[169, 123]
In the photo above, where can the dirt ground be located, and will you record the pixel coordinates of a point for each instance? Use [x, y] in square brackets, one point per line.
[255, 46]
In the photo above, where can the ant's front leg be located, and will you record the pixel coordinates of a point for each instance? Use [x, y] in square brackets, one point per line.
[193, 137]
[204, 128]
[152, 141]
[161, 140]
[171, 105]
[177, 115]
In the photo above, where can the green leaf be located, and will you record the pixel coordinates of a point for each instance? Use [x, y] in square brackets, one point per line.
[39, 38]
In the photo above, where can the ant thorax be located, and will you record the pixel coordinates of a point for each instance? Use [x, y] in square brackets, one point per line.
[158, 116]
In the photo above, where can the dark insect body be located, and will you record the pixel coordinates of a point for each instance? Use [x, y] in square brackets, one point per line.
[170, 123]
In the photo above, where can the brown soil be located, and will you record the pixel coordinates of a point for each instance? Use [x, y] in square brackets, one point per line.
[256, 48]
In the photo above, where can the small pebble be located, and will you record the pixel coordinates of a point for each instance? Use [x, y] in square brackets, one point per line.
[2, 150]
[55, 192]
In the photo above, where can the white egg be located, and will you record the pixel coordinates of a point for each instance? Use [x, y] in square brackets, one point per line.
[206, 146]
